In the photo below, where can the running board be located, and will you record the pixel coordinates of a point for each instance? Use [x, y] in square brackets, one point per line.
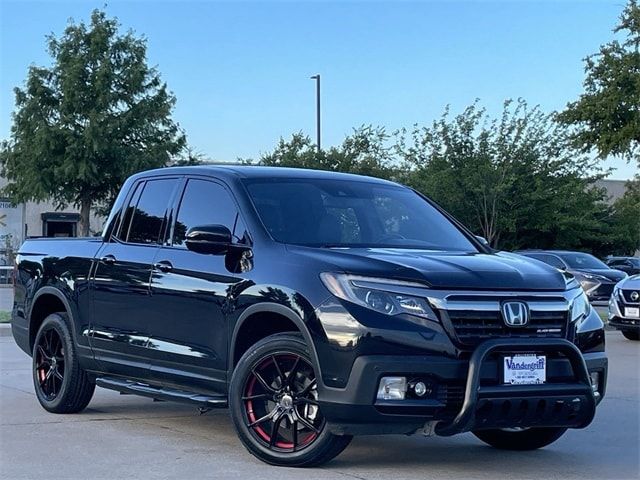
[162, 393]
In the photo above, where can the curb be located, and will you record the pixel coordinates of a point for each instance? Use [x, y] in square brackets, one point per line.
[5, 329]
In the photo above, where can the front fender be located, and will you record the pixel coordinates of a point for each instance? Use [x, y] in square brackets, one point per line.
[590, 333]
[285, 311]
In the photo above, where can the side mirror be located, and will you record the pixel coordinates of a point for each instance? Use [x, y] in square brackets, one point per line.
[209, 239]
[482, 240]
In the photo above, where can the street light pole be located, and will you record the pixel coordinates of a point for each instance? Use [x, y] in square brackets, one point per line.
[317, 79]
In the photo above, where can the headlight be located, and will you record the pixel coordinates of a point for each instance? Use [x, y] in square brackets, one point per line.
[378, 294]
[580, 307]
[587, 281]
[617, 292]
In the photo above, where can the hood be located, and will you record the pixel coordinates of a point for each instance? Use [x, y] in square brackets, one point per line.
[608, 273]
[454, 270]
[632, 283]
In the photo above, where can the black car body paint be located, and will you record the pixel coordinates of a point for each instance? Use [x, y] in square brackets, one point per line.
[153, 316]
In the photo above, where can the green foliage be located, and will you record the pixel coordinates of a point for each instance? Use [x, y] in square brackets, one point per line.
[517, 180]
[364, 152]
[624, 222]
[514, 180]
[607, 114]
[93, 118]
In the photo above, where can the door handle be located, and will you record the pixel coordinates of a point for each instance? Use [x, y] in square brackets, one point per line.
[163, 266]
[108, 259]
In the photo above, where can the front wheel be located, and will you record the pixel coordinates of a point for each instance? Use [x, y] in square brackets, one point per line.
[273, 399]
[629, 335]
[520, 439]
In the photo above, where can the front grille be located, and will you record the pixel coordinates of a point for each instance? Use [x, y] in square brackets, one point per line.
[627, 322]
[473, 327]
[626, 294]
[451, 395]
[603, 291]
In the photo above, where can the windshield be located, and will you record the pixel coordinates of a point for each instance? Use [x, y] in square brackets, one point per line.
[583, 260]
[634, 262]
[342, 213]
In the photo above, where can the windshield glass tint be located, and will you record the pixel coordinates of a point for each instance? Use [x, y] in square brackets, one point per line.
[339, 213]
[582, 260]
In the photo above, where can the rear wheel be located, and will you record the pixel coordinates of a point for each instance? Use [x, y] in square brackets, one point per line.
[61, 385]
[628, 334]
[520, 439]
[274, 405]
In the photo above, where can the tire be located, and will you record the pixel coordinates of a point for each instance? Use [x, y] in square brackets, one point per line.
[528, 439]
[61, 385]
[629, 335]
[269, 407]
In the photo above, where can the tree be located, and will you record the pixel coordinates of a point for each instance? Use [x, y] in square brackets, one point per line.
[363, 152]
[515, 180]
[81, 126]
[625, 221]
[606, 117]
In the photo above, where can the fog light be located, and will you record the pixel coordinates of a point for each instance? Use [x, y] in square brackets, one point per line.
[595, 383]
[392, 388]
[420, 389]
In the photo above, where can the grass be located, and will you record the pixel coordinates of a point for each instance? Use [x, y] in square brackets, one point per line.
[5, 317]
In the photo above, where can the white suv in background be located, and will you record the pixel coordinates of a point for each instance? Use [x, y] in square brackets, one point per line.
[624, 307]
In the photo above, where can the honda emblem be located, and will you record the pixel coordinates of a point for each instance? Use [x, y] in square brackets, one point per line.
[515, 314]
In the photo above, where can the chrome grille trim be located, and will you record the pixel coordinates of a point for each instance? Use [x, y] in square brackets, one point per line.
[490, 301]
[471, 317]
[494, 306]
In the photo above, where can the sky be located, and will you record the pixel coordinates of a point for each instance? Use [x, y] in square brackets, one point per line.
[240, 70]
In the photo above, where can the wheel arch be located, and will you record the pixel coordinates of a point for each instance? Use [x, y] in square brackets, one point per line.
[262, 312]
[46, 301]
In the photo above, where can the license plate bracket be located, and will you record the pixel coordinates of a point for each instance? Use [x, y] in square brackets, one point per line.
[632, 312]
[524, 369]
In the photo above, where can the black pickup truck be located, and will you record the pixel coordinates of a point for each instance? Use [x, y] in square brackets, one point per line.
[316, 306]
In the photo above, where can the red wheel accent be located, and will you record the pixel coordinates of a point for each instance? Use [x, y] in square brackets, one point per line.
[49, 364]
[251, 415]
[278, 386]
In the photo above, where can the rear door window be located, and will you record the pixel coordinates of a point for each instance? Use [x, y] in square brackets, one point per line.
[123, 230]
[149, 215]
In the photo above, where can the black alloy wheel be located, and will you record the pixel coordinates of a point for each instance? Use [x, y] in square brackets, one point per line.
[50, 363]
[281, 402]
[273, 398]
[61, 384]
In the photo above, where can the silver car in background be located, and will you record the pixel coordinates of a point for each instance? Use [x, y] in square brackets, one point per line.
[624, 307]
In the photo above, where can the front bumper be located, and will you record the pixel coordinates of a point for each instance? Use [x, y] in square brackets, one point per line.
[618, 320]
[468, 394]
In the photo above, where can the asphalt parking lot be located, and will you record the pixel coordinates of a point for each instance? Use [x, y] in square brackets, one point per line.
[132, 437]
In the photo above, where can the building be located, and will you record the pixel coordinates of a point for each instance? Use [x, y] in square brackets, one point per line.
[615, 188]
[32, 219]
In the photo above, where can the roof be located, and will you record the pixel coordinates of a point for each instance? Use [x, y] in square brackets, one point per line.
[258, 172]
[557, 252]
